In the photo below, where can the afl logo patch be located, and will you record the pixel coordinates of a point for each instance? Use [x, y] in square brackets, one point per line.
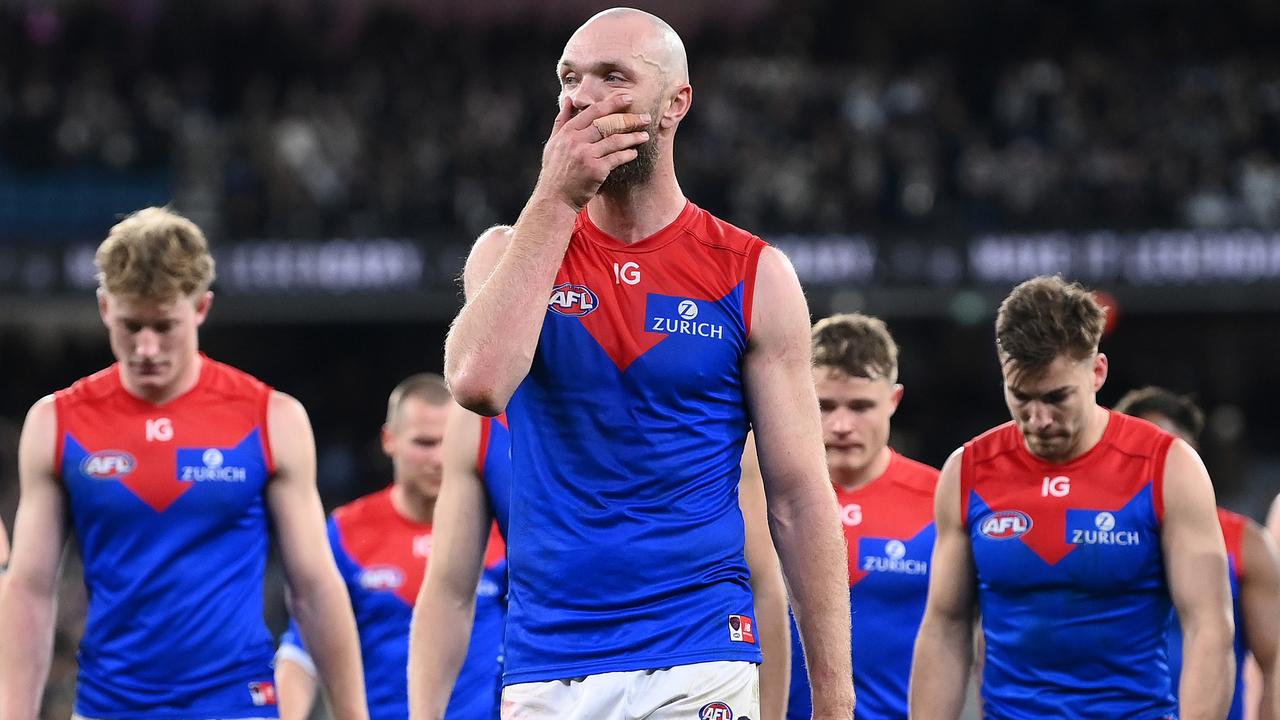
[715, 711]
[1004, 524]
[108, 465]
[381, 577]
[572, 300]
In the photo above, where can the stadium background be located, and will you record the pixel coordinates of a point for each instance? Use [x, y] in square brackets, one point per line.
[915, 158]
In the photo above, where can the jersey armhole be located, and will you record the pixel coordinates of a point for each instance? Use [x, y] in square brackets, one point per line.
[264, 418]
[1235, 542]
[749, 281]
[966, 483]
[60, 435]
[485, 428]
[1157, 480]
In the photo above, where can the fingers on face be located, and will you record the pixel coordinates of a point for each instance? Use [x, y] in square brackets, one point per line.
[620, 123]
[619, 141]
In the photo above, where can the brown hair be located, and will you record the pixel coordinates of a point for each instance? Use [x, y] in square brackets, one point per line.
[1045, 317]
[1180, 409]
[154, 255]
[427, 387]
[857, 345]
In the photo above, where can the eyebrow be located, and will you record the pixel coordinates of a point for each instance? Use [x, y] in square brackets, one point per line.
[1055, 391]
[601, 67]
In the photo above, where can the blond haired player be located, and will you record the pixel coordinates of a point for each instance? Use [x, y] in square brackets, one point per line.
[169, 468]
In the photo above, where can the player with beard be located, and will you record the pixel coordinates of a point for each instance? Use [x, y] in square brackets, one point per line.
[886, 507]
[1075, 529]
[1251, 553]
[383, 544]
[173, 471]
[633, 339]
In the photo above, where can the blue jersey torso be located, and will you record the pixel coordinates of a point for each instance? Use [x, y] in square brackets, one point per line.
[626, 541]
[383, 558]
[1071, 584]
[167, 505]
[889, 533]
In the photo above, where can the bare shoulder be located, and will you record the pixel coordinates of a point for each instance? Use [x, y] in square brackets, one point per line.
[485, 253]
[284, 409]
[37, 445]
[947, 494]
[1184, 472]
[1260, 557]
[779, 311]
[43, 413]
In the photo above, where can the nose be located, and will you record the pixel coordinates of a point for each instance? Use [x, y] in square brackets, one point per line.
[146, 343]
[840, 422]
[588, 90]
[1039, 416]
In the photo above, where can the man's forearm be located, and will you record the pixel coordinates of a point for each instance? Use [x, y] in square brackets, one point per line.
[491, 345]
[940, 669]
[1208, 673]
[438, 643]
[323, 613]
[26, 624]
[812, 550]
[295, 690]
[775, 642]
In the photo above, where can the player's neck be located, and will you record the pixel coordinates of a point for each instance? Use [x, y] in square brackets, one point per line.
[411, 505]
[858, 478]
[180, 386]
[635, 213]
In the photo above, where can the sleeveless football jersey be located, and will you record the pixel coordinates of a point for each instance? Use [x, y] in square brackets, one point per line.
[889, 530]
[1071, 584]
[1233, 526]
[493, 465]
[167, 505]
[383, 557]
[626, 541]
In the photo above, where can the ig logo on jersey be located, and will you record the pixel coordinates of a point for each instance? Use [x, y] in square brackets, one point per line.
[715, 711]
[1004, 524]
[572, 300]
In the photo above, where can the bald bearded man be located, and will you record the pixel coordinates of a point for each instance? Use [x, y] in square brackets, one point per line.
[666, 333]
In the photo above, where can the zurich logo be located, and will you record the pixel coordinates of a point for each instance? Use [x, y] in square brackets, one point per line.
[1105, 521]
[895, 550]
[212, 458]
[1004, 524]
[108, 465]
[688, 309]
[572, 300]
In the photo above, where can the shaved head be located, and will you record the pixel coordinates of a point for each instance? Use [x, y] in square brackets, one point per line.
[652, 41]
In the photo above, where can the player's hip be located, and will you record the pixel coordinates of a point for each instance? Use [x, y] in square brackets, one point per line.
[719, 690]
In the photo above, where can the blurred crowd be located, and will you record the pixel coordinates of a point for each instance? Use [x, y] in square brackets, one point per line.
[270, 123]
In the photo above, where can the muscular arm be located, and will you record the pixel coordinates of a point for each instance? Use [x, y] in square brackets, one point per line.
[446, 604]
[318, 597]
[27, 596]
[1260, 614]
[802, 506]
[768, 589]
[944, 647]
[1196, 564]
[490, 347]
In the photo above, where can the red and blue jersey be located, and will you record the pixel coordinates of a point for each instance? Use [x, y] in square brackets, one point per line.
[493, 465]
[626, 541]
[889, 532]
[1070, 574]
[1233, 528]
[383, 558]
[167, 505]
